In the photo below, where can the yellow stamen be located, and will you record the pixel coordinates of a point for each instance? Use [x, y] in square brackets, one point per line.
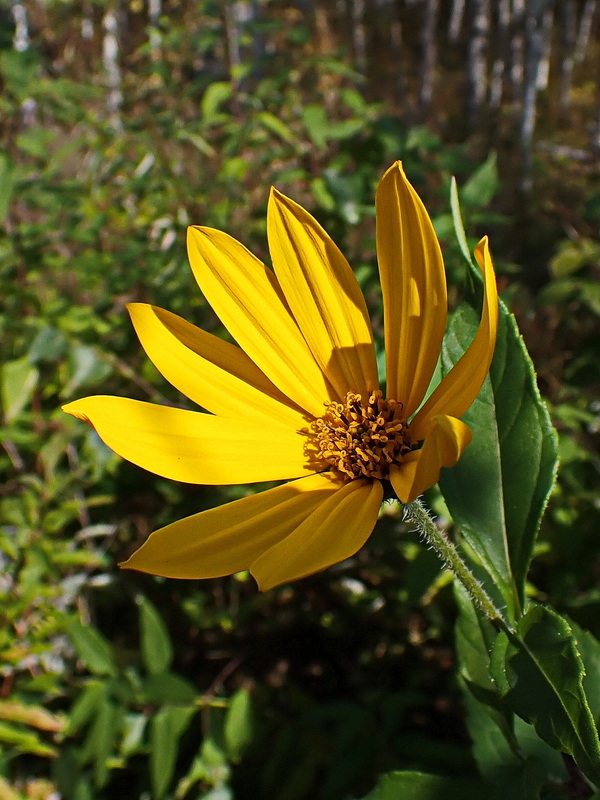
[362, 440]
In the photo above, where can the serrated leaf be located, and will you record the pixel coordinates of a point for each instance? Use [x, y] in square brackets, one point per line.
[92, 648]
[539, 673]
[239, 723]
[475, 638]
[166, 727]
[589, 650]
[423, 786]
[498, 490]
[157, 651]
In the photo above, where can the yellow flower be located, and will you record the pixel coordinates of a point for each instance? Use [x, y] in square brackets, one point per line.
[299, 399]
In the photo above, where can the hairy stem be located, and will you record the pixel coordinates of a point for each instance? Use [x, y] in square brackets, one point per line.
[416, 513]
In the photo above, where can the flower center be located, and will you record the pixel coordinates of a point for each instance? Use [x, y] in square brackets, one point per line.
[362, 439]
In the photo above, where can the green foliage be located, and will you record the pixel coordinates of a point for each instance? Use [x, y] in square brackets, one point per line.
[498, 491]
[421, 786]
[125, 686]
[539, 674]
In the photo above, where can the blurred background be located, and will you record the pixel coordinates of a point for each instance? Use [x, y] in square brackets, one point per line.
[120, 124]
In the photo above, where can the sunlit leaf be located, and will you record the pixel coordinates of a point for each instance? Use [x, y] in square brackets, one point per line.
[539, 673]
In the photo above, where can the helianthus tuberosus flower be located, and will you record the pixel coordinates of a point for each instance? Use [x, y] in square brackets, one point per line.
[299, 399]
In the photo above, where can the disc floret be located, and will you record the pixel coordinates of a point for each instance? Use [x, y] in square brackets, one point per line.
[362, 440]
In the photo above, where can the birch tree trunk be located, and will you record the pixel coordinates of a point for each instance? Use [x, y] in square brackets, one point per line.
[21, 42]
[567, 55]
[517, 26]
[112, 67]
[154, 12]
[456, 20]
[359, 38]
[477, 73]
[499, 65]
[543, 73]
[534, 24]
[585, 29]
[428, 52]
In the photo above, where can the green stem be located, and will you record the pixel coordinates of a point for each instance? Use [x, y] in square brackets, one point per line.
[417, 513]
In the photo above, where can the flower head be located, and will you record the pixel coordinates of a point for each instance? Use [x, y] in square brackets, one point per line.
[299, 398]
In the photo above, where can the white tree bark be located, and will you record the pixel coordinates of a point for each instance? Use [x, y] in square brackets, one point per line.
[517, 52]
[154, 12]
[112, 67]
[534, 25]
[500, 59]
[21, 42]
[477, 71]
[543, 73]
[21, 36]
[359, 37]
[428, 52]
[456, 20]
[568, 32]
[585, 29]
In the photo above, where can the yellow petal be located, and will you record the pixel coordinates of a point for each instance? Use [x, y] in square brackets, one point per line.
[215, 374]
[323, 295]
[229, 538]
[248, 300]
[192, 447]
[442, 447]
[335, 530]
[413, 284]
[457, 391]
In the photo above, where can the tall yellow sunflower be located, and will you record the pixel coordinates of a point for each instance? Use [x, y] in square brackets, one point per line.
[299, 399]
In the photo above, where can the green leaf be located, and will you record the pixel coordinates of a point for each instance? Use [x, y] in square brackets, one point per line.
[157, 652]
[214, 96]
[86, 705]
[511, 773]
[19, 382]
[423, 786]
[507, 750]
[101, 740]
[92, 648]
[166, 727]
[589, 650]
[498, 491]
[459, 229]
[24, 741]
[168, 688]
[276, 126]
[316, 123]
[7, 184]
[539, 673]
[482, 185]
[475, 638]
[87, 368]
[239, 723]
